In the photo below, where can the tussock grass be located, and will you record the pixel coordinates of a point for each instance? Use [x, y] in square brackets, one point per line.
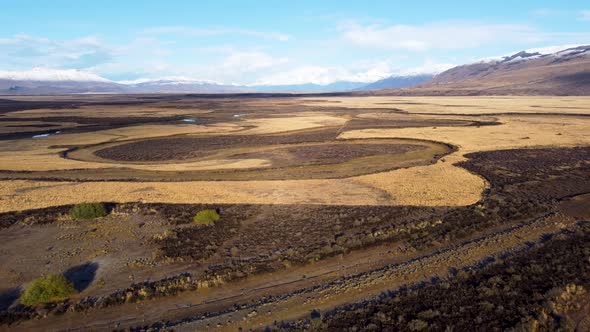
[87, 211]
[206, 217]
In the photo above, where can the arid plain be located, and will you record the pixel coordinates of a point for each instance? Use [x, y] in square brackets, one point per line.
[523, 122]
[324, 202]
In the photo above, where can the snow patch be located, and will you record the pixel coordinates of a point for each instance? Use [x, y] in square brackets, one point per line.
[557, 50]
[521, 59]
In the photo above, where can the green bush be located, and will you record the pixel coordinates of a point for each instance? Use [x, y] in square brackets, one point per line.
[51, 288]
[88, 211]
[206, 217]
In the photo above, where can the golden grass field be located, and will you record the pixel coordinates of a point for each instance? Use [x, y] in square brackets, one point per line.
[463, 105]
[525, 122]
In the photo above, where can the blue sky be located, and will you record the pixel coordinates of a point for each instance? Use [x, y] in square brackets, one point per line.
[277, 42]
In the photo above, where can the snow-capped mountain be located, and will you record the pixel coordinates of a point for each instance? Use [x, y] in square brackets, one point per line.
[566, 71]
[535, 53]
[58, 82]
[55, 75]
[53, 81]
[179, 85]
[554, 70]
[521, 61]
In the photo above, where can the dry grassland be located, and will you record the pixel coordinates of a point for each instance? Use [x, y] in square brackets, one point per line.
[292, 122]
[440, 184]
[462, 105]
[514, 132]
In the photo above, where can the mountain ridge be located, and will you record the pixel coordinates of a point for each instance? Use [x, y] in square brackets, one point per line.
[565, 72]
[533, 72]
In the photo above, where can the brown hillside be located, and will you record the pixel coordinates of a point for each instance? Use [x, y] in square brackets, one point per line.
[563, 73]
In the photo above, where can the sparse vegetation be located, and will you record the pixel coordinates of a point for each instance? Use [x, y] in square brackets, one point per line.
[544, 289]
[206, 217]
[47, 289]
[88, 211]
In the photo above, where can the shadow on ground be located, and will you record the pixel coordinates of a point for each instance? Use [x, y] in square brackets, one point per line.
[82, 275]
[9, 296]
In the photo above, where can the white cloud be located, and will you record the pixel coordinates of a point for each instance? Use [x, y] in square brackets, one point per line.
[45, 74]
[23, 50]
[361, 71]
[367, 72]
[585, 15]
[441, 35]
[236, 66]
[300, 75]
[247, 62]
[550, 49]
[204, 32]
[427, 68]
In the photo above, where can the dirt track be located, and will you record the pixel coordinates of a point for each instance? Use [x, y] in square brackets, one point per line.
[322, 286]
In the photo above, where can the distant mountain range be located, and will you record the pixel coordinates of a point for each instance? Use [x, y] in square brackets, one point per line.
[310, 87]
[180, 86]
[565, 72]
[47, 81]
[53, 86]
[395, 82]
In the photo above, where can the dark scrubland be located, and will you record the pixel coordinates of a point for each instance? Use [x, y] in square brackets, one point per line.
[329, 153]
[179, 148]
[83, 124]
[543, 289]
[364, 123]
[280, 235]
[7, 106]
[546, 288]
[254, 239]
